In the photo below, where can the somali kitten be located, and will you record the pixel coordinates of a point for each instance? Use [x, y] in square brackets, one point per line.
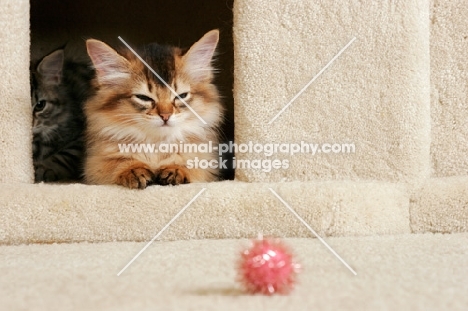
[132, 106]
[59, 88]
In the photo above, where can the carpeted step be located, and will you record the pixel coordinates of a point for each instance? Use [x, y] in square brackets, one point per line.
[440, 205]
[73, 213]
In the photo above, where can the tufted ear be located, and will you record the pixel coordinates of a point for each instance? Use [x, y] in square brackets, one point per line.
[50, 68]
[197, 61]
[111, 67]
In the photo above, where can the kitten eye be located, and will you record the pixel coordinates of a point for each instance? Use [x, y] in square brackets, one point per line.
[40, 105]
[183, 95]
[144, 98]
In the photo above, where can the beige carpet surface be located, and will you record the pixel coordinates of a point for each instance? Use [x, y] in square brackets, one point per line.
[449, 87]
[74, 213]
[15, 102]
[440, 205]
[376, 95]
[409, 272]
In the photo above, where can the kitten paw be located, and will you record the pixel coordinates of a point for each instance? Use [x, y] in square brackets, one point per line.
[44, 174]
[172, 175]
[136, 178]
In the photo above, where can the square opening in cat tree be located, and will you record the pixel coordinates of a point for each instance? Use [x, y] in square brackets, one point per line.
[56, 24]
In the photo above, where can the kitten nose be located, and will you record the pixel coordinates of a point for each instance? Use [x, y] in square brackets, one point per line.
[165, 116]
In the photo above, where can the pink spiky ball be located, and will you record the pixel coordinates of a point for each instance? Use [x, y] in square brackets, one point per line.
[267, 267]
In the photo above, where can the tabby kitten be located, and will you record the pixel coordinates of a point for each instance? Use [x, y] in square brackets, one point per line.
[59, 88]
[132, 105]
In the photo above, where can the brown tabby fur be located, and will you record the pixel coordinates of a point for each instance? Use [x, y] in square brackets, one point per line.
[116, 116]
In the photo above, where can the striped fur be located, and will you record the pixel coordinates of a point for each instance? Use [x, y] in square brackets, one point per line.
[59, 88]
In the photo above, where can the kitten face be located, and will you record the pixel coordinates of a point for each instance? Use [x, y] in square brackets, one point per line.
[48, 113]
[135, 104]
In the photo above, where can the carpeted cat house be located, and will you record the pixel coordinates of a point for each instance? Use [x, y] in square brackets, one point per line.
[389, 78]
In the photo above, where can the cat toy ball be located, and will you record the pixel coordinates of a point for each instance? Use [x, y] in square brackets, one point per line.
[267, 268]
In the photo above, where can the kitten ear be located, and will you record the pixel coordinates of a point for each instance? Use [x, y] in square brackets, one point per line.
[50, 67]
[197, 61]
[111, 67]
